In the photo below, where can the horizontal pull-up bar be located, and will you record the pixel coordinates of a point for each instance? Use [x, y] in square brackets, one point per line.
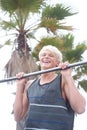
[44, 71]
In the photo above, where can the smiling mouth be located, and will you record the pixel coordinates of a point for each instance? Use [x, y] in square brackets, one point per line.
[47, 62]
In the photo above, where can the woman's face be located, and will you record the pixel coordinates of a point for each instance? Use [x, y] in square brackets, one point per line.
[48, 59]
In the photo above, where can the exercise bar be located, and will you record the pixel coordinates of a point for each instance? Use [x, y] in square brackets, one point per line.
[44, 71]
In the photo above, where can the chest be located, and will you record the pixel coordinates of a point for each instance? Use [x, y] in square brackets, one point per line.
[49, 92]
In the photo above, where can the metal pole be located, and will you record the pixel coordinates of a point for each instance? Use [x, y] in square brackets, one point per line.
[44, 71]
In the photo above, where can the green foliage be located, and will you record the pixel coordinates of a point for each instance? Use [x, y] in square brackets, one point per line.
[83, 84]
[59, 12]
[8, 25]
[20, 13]
[52, 17]
[50, 24]
[75, 54]
[13, 5]
[8, 42]
[65, 44]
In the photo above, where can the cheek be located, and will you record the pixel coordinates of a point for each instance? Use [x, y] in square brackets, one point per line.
[40, 58]
[57, 63]
[54, 63]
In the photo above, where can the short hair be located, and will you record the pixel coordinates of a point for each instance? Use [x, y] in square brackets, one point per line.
[54, 50]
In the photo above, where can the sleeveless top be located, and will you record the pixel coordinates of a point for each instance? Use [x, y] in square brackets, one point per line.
[47, 108]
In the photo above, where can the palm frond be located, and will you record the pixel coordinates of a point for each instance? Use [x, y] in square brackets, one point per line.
[83, 84]
[68, 28]
[13, 5]
[58, 11]
[7, 25]
[52, 24]
[75, 55]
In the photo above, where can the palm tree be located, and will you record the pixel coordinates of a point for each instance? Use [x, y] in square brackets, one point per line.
[20, 14]
[21, 25]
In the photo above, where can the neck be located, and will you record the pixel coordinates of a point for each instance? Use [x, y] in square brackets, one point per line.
[48, 77]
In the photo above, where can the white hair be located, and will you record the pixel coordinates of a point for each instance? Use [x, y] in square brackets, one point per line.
[54, 50]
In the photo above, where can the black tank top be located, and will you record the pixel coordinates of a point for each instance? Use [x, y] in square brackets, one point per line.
[47, 108]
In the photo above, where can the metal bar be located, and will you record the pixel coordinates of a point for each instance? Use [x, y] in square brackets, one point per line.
[44, 71]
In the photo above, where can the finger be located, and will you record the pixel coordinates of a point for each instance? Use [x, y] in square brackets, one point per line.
[64, 65]
[20, 75]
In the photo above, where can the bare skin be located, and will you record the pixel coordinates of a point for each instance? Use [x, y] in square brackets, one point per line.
[69, 90]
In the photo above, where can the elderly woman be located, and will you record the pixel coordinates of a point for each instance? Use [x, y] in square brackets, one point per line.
[52, 99]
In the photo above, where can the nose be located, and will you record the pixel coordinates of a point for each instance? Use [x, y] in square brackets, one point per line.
[46, 56]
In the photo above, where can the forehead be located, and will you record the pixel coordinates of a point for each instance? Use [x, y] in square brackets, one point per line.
[47, 51]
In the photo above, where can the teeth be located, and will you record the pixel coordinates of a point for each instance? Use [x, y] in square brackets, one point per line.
[46, 62]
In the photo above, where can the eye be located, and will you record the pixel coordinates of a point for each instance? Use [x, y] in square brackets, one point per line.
[43, 54]
[51, 55]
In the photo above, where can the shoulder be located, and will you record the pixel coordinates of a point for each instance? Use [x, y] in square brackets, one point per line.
[28, 84]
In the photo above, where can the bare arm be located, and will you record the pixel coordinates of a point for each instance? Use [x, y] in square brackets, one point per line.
[20, 105]
[77, 101]
[75, 98]
[21, 102]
